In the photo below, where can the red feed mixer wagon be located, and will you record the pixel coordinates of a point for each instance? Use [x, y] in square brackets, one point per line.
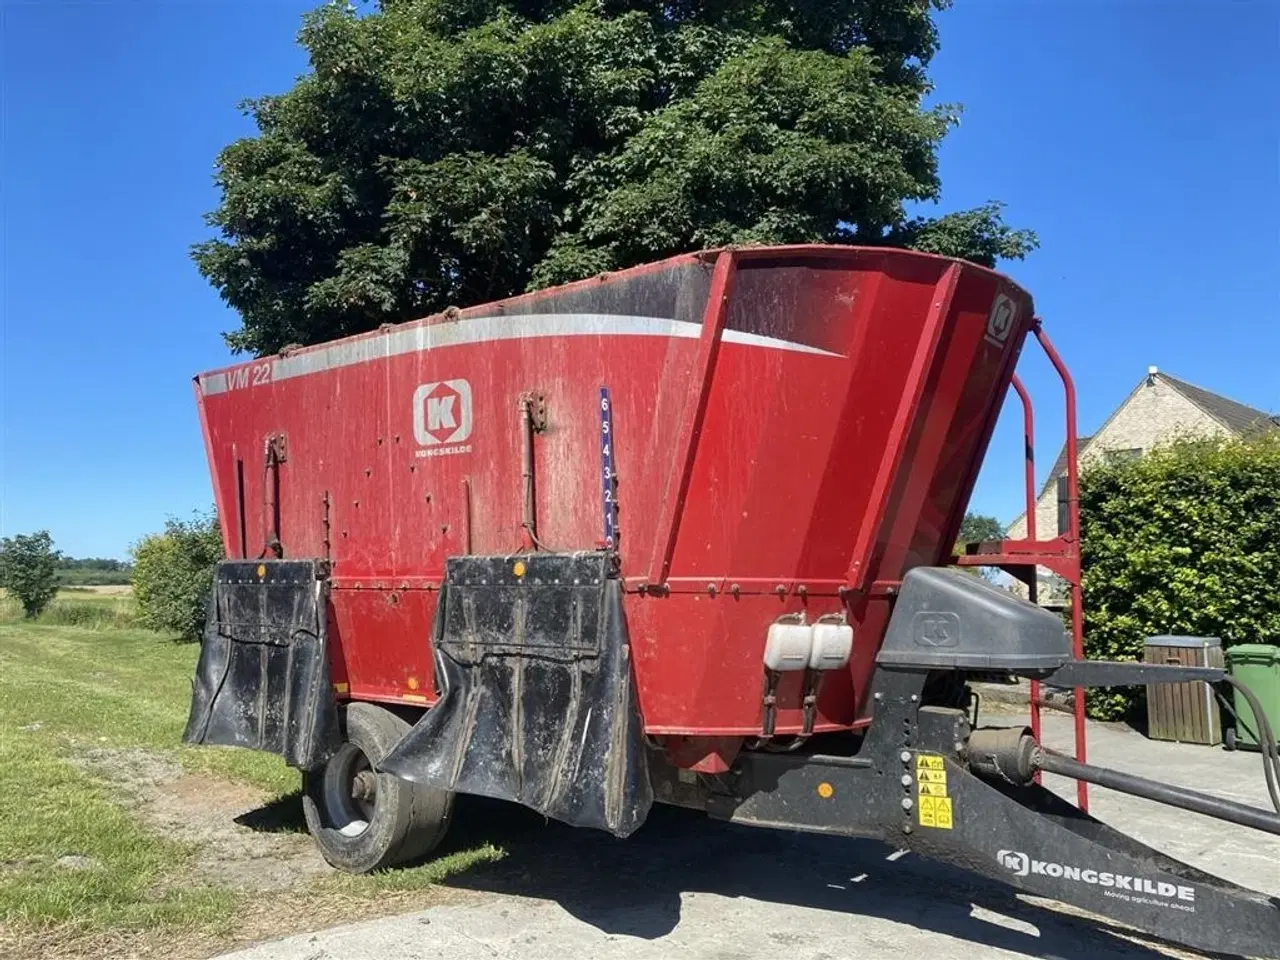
[679, 533]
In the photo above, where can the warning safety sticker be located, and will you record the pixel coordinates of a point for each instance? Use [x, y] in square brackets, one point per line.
[935, 812]
[931, 786]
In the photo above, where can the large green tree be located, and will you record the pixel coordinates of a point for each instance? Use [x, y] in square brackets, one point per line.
[448, 152]
[977, 527]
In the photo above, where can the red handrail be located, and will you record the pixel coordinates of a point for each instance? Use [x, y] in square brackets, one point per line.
[1061, 554]
[1029, 456]
[1073, 539]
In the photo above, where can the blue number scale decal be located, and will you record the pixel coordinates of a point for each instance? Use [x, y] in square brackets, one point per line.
[608, 485]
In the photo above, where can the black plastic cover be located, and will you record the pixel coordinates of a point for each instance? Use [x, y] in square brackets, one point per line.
[946, 619]
[263, 677]
[538, 702]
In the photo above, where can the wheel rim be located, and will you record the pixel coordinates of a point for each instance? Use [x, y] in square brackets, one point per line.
[350, 791]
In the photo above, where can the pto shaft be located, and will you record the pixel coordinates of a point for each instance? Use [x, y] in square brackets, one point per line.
[1013, 756]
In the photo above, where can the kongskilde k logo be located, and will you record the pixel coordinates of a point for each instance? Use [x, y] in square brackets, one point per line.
[1123, 886]
[1000, 321]
[442, 415]
[1017, 863]
[936, 628]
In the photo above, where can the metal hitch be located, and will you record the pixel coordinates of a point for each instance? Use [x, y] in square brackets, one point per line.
[922, 779]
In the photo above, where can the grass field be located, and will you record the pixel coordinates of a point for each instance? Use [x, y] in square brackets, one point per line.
[96, 607]
[116, 840]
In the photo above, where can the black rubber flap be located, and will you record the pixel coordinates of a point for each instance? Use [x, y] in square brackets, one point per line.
[537, 699]
[263, 678]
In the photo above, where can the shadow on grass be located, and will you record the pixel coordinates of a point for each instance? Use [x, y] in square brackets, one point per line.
[281, 815]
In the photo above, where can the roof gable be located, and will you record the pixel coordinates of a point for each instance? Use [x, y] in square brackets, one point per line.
[1060, 464]
[1236, 417]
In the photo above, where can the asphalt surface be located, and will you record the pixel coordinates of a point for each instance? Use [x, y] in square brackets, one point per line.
[687, 888]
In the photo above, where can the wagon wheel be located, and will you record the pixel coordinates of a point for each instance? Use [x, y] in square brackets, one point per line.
[365, 820]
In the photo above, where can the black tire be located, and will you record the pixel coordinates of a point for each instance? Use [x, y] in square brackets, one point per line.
[364, 820]
[1229, 739]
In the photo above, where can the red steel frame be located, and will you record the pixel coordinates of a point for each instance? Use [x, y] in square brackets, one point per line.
[1020, 558]
[695, 409]
[891, 462]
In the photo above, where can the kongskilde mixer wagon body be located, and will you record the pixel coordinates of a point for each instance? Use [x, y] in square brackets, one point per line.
[677, 533]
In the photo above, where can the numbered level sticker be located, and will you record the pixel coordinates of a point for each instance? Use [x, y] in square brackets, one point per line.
[608, 475]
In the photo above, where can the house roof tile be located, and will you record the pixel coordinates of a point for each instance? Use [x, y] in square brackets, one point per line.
[1236, 417]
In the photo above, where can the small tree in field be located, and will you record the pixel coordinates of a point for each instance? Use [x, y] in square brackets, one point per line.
[173, 575]
[29, 570]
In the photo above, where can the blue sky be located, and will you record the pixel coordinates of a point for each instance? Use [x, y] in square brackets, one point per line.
[1139, 138]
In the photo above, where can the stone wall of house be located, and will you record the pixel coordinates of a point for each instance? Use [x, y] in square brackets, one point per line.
[1154, 413]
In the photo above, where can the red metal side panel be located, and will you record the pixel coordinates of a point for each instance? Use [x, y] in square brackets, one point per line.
[369, 484]
[853, 455]
[815, 436]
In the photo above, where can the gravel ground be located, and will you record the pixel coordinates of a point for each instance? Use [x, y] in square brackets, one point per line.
[684, 887]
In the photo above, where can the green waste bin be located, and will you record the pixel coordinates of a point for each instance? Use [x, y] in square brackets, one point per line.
[1257, 666]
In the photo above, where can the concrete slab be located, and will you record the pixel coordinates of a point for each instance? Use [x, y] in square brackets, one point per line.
[690, 889]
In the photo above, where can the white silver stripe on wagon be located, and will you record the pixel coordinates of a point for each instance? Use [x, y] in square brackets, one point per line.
[427, 337]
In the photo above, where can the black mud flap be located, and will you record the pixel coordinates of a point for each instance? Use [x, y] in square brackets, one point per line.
[538, 703]
[263, 678]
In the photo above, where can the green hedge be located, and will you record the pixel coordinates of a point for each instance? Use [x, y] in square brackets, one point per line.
[173, 575]
[1185, 540]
